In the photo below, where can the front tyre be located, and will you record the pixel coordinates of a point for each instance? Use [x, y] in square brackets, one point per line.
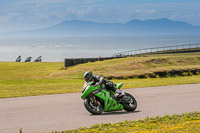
[131, 104]
[92, 108]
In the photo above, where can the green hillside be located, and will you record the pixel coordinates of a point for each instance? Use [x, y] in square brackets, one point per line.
[28, 79]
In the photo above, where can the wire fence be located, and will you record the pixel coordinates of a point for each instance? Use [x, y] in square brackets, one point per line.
[165, 49]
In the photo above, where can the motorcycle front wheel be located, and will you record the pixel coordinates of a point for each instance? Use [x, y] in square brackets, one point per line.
[92, 108]
[131, 105]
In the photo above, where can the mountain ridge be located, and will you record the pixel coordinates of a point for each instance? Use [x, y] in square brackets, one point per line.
[162, 26]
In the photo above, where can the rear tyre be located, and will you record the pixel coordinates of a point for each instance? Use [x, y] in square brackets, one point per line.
[94, 109]
[131, 105]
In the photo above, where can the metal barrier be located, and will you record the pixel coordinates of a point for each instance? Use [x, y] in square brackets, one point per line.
[76, 61]
[156, 50]
[165, 49]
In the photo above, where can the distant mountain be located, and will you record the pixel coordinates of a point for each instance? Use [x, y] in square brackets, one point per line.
[161, 26]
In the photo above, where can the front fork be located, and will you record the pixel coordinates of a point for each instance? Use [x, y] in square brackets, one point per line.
[94, 100]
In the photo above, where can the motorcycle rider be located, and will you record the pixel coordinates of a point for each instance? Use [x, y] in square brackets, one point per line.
[99, 80]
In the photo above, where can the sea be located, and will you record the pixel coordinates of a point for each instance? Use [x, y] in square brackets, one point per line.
[56, 49]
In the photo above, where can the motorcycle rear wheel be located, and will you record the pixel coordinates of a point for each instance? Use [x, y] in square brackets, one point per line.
[130, 106]
[96, 110]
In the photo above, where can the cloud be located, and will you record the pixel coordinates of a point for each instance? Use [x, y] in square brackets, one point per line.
[80, 12]
[188, 12]
[151, 11]
[41, 13]
[48, 2]
[9, 17]
[43, 1]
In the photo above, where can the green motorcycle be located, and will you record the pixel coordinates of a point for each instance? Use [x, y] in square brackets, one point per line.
[98, 99]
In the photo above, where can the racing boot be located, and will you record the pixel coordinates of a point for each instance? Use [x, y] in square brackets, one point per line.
[121, 93]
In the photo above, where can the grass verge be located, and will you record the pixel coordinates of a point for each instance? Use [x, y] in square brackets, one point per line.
[184, 123]
[19, 79]
[35, 87]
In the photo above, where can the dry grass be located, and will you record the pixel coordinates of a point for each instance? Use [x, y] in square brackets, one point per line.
[135, 65]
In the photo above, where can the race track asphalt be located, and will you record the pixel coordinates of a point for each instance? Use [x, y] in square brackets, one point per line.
[37, 114]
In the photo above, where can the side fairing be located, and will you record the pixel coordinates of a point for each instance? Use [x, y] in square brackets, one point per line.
[109, 103]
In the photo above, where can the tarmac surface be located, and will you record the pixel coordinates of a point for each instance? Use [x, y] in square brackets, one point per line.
[37, 114]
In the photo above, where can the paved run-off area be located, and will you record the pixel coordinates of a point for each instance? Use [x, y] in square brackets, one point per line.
[66, 111]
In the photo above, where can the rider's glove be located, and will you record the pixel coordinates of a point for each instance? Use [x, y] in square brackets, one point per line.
[97, 84]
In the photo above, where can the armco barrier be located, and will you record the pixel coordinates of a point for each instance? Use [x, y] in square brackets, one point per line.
[157, 50]
[139, 52]
[76, 61]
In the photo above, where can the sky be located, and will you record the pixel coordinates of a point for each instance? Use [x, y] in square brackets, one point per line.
[36, 14]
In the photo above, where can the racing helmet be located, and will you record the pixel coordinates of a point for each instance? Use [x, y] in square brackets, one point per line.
[88, 76]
